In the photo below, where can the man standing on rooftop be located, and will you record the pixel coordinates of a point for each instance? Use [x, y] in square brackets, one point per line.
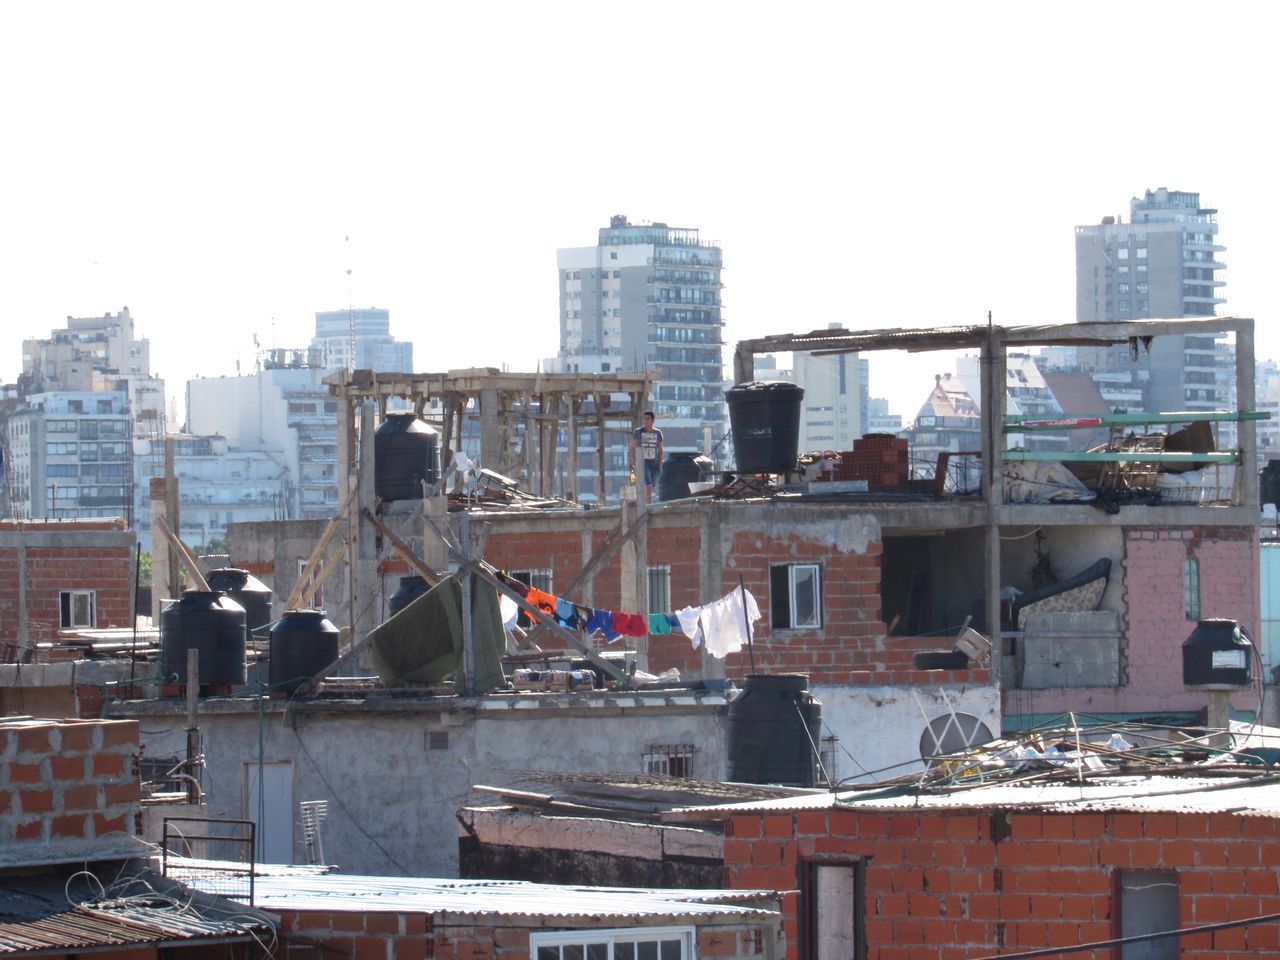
[648, 441]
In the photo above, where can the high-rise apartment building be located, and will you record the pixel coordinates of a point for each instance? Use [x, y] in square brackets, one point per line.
[370, 330]
[1162, 264]
[647, 297]
[835, 408]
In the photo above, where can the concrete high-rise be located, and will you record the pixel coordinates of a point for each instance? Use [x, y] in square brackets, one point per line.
[1161, 264]
[370, 330]
[647, 298]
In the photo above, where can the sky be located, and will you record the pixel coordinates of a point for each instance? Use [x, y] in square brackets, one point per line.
[876, 165]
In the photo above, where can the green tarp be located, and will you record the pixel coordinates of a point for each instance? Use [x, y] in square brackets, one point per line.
[423, 642]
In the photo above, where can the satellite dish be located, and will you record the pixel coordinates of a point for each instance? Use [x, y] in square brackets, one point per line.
[952, 733]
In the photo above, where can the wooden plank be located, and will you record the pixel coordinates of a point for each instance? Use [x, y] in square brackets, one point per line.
[1068, 421]
[402, 548]
[317, 554]
[186, 557]
[306, 596]
[1111, 456]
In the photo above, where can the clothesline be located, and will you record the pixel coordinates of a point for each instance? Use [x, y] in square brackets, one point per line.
[724, 625]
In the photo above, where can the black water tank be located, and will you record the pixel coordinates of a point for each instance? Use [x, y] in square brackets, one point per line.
[303, 642]
[404, 457]
[246, 590]
[1269, 483]
[210, 622]
[410, 589]
[1217, 656]
[678, 471]
[764, 417]
[774, 725]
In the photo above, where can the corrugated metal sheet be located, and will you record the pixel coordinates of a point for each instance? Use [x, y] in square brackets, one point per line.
[1258, 796]
[510, 898]
[38, 917]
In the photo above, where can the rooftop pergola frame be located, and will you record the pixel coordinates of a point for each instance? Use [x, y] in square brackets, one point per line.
[543, 403]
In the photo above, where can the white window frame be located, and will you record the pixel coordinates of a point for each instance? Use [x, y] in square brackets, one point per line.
[793, 620]
[67, 619]
[688, 937]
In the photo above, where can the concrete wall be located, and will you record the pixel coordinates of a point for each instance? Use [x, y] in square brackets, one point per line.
[390, 776]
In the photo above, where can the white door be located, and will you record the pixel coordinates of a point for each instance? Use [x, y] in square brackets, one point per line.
[268, 802]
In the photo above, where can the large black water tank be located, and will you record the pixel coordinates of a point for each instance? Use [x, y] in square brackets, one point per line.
[1269, 483]
[678, 471]
[246, 590]
[210, 622]
[764, 417]
[774, 725]
[404, 457]
[1217, 656]
[303, 642]
[410, 589]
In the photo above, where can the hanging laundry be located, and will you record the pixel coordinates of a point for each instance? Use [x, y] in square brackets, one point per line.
[517, 586]
[630, 624]
[566, 616]
[658, 624]
[508, 610]
[601, 621]
[673, 623]
[727, 620]
[688, 620]
[544, 602]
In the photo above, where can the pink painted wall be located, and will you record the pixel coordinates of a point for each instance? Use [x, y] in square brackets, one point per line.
[1155, 619]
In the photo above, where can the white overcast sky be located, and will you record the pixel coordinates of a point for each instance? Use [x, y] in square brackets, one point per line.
[870, 164]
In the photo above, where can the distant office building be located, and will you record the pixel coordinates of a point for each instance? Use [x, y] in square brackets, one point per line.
[647, 297]
[879, 419]
[1027, 394]
[1162, 264]
[834, 411]
[285, 410]
[69, 357]
[370, 329]
[69, 456]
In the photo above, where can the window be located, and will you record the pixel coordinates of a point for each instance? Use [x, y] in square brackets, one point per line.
[1191, 587]
[1142, 253]
[1122, 253]
[613, 254]
[833, 911]
[60, 470]
[1148, 904]
[659, 588]
[639, 943]
[78, 609]
[795, 595]
[670, 760]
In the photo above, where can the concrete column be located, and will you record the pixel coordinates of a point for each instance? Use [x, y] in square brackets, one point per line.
[23, 636]
[366, 561]
[1247, 430]
[571, 486]
[634, 571]
[434, 552]
[490, 430]
[346, 483]
[173, 512]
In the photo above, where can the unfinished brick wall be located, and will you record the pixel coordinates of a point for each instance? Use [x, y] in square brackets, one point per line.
[962, 884]
[65, 784]
[359, 934]
[739, 941]
[77, 561]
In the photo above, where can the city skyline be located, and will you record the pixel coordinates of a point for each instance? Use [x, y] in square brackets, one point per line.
[871, 172]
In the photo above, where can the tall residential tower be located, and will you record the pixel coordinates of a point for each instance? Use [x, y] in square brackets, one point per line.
[1163, 264]
[647, 297]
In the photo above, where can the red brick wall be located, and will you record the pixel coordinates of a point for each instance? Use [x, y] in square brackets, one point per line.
[940, 886]
[746, 941]
[67, 780]
[69, 566]
[363, 935]
[850, 648]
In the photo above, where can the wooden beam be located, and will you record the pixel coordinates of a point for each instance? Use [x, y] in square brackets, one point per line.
[402, 548]
[306, 589]
[184, 555]
[1117, 456]
[317, 554]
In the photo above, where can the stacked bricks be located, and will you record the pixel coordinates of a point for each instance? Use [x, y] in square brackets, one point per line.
[878, 458]
[361, 935]
[960, 884]
[65, 784]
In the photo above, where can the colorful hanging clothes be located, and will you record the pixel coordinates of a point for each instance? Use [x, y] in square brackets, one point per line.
[630, 624]
[566, 615]
[601, 621]
[673, 623]
[516, 585]
[544, 602]
[658, 624]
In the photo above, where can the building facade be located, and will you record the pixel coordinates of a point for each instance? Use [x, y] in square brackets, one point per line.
[836, 406]
[1161, 264]
[647, 298]
[369, 329]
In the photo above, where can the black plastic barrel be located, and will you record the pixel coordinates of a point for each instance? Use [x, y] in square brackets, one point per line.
[774, 727]
[1217, 656]
[410, 589]
[246, 590]
[764, 417]
[678, 471]
[404, 457]
[210, 622]
[1269, 483]
[303, 642]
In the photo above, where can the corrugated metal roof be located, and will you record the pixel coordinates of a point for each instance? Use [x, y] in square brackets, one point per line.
[38, 917]
[509, 898]
[1258, 796]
